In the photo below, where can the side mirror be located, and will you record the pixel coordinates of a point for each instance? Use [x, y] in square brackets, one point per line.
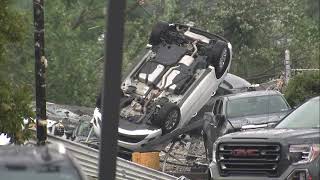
[210, 118]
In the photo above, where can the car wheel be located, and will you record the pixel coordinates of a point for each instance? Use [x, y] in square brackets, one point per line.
[157, 31]
[169, 116]
[219, 57]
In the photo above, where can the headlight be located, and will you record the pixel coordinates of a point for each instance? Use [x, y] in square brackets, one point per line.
[304, 153]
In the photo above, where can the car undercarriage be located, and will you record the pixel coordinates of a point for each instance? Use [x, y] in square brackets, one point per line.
[182, 68]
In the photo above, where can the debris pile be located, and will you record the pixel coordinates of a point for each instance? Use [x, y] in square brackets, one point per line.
[187, 155]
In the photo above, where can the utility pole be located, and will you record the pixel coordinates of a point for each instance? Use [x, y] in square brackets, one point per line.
[287, 65]
[111, 94]
[40, 70]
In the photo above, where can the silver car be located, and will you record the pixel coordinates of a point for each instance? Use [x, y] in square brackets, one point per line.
[181, 69]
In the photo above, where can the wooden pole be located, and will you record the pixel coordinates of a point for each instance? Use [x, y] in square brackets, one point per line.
[40, 69]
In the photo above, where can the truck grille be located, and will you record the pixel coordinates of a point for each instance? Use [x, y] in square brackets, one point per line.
[235, 159]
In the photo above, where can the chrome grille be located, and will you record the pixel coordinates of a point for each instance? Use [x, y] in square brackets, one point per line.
[248, 158]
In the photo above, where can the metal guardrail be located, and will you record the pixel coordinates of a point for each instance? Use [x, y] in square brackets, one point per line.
[88, 159]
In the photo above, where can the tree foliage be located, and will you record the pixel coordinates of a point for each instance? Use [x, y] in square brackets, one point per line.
[302, 87]
[259, 31]
[15, 98]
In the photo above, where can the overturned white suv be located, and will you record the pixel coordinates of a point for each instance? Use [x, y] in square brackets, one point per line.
[181, 70]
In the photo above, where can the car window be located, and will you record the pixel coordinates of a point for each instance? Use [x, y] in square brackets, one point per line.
[306, 116]
[256, 105]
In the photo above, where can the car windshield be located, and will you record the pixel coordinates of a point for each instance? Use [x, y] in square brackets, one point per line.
[306, 116]
[256, 105]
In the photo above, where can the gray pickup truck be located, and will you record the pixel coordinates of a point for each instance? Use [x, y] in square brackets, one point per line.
[288, 151]
[241, 111]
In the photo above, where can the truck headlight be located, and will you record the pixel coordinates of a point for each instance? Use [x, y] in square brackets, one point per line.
[304, 153]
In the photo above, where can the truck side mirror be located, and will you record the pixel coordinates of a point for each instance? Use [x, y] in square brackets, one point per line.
[211, 118]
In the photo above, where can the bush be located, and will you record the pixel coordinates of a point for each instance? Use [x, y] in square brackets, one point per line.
[302, 87]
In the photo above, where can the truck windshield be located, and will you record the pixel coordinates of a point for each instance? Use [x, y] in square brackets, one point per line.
[256, 105]
[306, 116]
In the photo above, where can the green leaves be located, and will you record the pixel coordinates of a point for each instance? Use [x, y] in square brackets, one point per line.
[259, 31]
[15, 104]
[302, 87]
[15, 98]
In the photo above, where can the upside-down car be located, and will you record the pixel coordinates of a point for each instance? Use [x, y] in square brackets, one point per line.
[181, 69]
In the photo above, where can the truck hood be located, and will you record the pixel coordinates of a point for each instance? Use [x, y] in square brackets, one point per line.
[289, 135]
[238, 122]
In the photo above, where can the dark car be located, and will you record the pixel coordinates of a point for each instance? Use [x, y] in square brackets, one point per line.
[247, 110]
[37, 163]
[288, 151]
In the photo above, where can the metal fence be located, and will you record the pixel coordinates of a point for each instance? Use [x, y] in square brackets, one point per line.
[88, 159]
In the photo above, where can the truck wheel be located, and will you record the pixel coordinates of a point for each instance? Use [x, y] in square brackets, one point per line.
[219, 57]
[157, 31]
[169, 116]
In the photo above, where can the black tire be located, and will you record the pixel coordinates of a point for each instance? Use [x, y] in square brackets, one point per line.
[219, 57]
[169, 117]
[157, 30]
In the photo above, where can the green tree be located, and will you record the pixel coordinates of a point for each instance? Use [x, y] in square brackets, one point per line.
[72, 48]
[15, 98]
[302, 87]
[259, 31]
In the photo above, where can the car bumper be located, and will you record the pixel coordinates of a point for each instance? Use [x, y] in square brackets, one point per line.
[310, 170]
[147, 134]
[150, 135]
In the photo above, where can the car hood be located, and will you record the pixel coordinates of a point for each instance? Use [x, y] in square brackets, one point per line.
[288, 135]
[238, 122]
